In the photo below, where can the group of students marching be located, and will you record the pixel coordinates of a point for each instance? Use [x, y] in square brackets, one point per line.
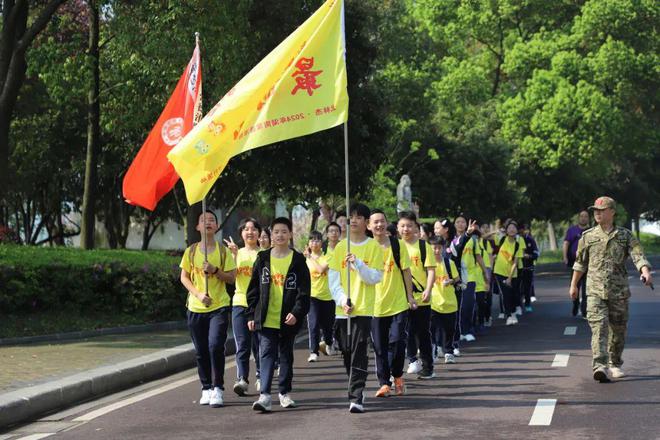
[414, 292]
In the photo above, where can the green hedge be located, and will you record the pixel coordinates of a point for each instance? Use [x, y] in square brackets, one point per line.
[38, 279]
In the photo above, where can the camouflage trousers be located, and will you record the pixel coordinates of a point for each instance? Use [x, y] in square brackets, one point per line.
[608, 320]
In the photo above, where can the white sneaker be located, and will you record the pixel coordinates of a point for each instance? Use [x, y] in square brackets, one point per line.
[206, 397]
[501, 316]
[415, 367]
[216, 398]
[241, 387]
[257, 385]
[277, 372]
[263, 404]
[286, 401]
[450, 359]
[470, 337]
[509, 320]
[462, 337]
[457, 352]
[356, 408]
[313, 357]
[489, 322]
[330, 350]
[533, 299]
[617, 372]
[519, 311]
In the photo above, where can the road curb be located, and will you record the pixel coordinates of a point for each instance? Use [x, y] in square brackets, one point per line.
[35, 401]
[69, 336]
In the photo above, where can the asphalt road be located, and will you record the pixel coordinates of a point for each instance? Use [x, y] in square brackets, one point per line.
[492, 392]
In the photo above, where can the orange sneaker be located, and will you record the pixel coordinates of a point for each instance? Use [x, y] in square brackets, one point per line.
[384, 391]
[399, 386]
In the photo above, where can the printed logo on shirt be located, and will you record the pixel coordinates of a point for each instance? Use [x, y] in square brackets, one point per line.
[278, 279]
[416, 260]
[388, 266]
[265, 276]
[316, 275]
[244, 270]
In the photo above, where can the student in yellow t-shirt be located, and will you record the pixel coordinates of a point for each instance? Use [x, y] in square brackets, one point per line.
[209, 306]
[506, 269]
[488, 245]
[278, 300]
[332, 234]
[250, 231]
[422, 269]
[444, 304]
[393, 298]
[365, 261]
[321, 317]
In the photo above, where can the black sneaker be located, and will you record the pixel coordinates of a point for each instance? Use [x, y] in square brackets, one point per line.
[426, 375]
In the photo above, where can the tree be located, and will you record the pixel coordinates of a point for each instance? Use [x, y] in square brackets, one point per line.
[16, 38]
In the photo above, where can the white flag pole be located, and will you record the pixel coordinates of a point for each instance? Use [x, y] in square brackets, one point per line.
[348, 231]
[204, 244]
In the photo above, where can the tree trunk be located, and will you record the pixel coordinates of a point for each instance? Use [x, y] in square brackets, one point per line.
[14, 42]
[93, 131]
[552, 238]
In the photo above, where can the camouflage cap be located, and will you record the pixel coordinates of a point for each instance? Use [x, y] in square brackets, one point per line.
[604, 202]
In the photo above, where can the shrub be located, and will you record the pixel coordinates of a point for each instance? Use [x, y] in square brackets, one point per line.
[37, 279]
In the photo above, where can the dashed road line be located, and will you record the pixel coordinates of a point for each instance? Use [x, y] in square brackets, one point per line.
[543, 412]
[561, 360]
[570, 331]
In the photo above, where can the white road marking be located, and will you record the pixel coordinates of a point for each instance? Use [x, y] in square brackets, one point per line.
[131, 400]
[543, 412]
[561, 360]
[36, 436]
[570, 331]
[165, 388]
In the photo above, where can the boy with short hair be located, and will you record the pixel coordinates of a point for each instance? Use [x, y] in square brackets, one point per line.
[423, 277]
[393, 298]
[365, 261]
[278, 300]
[209, 306]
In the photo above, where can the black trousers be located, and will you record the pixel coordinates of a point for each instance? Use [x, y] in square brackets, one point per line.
[389, 336]
[419, 336]
[355, 352]
[526, 284]
[208, 332]
[444, 325]
[274, 346]
[509, 297]
[320, 320]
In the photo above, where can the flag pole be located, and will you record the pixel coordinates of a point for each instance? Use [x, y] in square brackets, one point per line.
[348, 232]
[206, 252]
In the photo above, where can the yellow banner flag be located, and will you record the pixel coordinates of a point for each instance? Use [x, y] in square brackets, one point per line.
[297, 89]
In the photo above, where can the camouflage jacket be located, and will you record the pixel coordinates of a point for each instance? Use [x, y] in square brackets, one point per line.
[603, 257]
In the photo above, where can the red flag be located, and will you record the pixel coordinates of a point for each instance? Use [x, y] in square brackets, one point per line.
[151, 176]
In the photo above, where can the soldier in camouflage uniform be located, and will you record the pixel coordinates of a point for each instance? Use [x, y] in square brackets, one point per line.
[602, 253]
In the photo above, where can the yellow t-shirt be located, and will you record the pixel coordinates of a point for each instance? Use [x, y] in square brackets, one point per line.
[488, 250]
[417, 270]
[443, 298]
[504, 259]
[279, 267]
[244, 261]
[391, 291]
[320, 286]
[217, 289]
[469, 264]
[362, 295]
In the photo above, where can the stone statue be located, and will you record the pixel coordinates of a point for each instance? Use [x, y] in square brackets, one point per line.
[404, 195]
